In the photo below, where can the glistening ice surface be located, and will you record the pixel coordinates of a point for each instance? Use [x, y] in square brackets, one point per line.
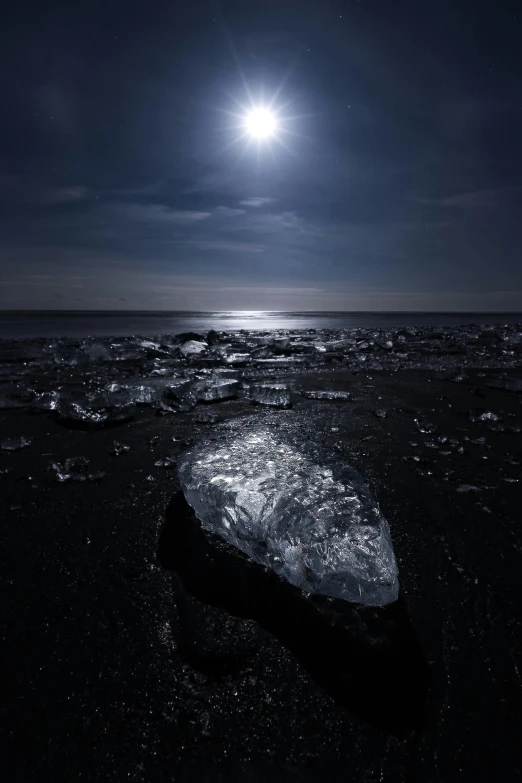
[291, 506]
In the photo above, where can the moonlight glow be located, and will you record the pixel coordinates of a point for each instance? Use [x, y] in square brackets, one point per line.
[261, 123]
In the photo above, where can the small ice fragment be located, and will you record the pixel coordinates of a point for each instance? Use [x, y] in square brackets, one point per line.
[488, 416]
[291, 505]
[165, 462]
[119, 448]
[192, 348]
[46, 401]
[74, 468]
[92, 415]
[326, 395]
[381, 413]
[425, 426]
[457, 377]
[14, 444]
[479, 441]
[468, 488]
[96, 476]
[277, 395]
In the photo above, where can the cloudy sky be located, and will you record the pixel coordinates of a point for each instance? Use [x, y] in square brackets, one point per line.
[394, 181]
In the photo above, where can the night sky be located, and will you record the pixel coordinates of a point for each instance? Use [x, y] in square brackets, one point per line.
[394, 180]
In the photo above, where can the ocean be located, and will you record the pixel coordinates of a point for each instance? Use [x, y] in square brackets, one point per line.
[17, 324]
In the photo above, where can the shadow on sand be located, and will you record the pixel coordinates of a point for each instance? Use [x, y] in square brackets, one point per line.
[367, 658]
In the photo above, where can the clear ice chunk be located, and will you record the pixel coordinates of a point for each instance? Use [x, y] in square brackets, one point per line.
[290, 505]
[237, 358]
[193, 347]
[175, 388]
[277, 395]
[215, 389]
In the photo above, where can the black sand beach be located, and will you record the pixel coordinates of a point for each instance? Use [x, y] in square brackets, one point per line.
[137, 647]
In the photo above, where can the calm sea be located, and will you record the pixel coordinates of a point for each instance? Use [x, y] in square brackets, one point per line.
[19, 324]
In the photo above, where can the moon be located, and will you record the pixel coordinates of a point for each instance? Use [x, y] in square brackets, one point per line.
[261, 123]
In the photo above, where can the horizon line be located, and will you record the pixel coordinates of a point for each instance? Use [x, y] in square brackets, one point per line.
[264, 312]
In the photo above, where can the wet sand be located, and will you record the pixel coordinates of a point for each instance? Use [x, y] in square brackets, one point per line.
[137, 647]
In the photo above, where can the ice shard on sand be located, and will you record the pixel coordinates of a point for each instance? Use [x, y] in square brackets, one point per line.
[291, 505]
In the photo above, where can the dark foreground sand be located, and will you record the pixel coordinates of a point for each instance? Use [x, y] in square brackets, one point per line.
[138, 648]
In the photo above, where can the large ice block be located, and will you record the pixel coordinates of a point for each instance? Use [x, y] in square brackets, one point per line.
[290, 505]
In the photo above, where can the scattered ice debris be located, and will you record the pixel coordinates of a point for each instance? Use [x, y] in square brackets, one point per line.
[75, 469]
[277, 395]
[326, 395]
[119, 448]
[193, 347]
[14, 444]
[290, 505]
